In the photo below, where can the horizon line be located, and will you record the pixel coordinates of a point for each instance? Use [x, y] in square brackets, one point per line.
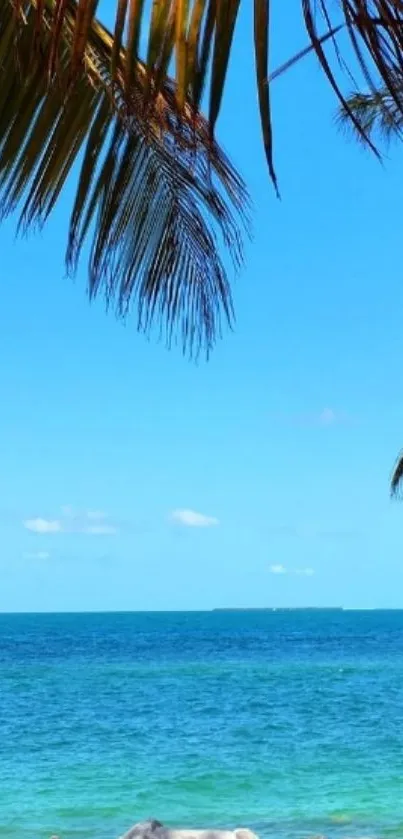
[217, 610]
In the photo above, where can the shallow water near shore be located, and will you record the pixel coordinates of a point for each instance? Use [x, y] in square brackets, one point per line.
[290, 723]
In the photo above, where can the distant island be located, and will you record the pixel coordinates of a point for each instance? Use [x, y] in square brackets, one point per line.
[281, 609]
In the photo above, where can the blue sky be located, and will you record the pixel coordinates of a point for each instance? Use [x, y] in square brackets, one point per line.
[133, 479]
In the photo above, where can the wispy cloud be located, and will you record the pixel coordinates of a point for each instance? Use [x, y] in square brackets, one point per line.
[326, 417]
[67, 511]
[92, 522]
[301, 572]
[40, 525]
[190, 518]
[100, 529]
[36, 555]
[96, 515]
[331, 417]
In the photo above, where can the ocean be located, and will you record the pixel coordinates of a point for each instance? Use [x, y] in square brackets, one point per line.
[290, 723]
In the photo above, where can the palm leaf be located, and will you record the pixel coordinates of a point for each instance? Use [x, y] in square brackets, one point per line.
[67, 83]
[376, 112]
[397, 477]
[155, 195]
[195, 38]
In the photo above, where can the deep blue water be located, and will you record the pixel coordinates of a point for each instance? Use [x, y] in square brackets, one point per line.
[289, 723]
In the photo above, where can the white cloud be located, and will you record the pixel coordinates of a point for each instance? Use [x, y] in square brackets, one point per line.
[37, 555]
[91, 522]
[189, 518]
[68, 512]
[301, 572]
[100, 530]
[43, 525]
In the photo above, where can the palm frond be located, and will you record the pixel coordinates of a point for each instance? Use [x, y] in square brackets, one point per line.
[195, 37]
[397, 477]
[376, 112]
[155, 194]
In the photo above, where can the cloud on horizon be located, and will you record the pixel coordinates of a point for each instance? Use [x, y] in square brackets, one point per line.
[190, 518]
[92, 523]
[300, 572]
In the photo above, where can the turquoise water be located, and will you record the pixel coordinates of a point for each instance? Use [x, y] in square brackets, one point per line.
[289, 723]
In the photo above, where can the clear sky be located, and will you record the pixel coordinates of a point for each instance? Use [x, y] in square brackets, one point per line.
[133, 479]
